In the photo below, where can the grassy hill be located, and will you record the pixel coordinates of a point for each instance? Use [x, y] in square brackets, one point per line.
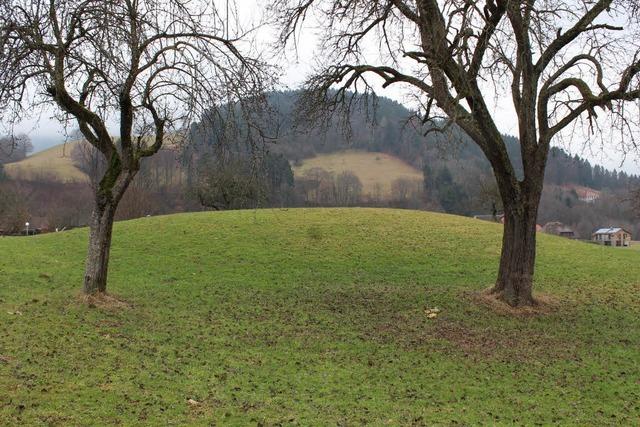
[53, 163]
[369, 167]
[314, 317]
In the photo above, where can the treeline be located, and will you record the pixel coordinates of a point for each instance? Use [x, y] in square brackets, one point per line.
[49, 203]
[564, 169]
[457, 177]
[14, 211]
[224, 166]
[14, 148]
[387, 127]
[319, 187]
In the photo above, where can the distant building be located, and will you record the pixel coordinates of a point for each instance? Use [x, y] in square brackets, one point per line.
[559, 229]
[585, 194]
[612, 236]
[588, 195]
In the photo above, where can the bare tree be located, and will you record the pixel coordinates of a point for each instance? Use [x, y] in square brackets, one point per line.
[228, 182]
[14, 148]
[560, 62]
[635, 202]
[318, 186]
[89, 160]
[146, 65]
[158, 176]
[406, 193]
[13, 208]
[348, 189]
[377, 193]
[401, 189]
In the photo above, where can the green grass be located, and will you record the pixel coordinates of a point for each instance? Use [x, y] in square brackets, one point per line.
[314, 317]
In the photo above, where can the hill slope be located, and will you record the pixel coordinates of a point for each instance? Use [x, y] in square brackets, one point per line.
[53, 163]
[314, 317]
[371, 168]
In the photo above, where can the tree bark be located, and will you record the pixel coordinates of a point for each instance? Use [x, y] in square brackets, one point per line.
[100, 230]
[97, 264]
[517, 262]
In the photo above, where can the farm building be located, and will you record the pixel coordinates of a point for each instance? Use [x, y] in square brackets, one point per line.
[559, 229]
[612, 236]
[586, 194]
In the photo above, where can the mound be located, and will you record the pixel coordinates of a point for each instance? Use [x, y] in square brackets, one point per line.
[314, 317]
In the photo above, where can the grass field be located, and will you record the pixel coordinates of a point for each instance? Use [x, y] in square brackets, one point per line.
[314, 317]
[53, 163]
[370, 168]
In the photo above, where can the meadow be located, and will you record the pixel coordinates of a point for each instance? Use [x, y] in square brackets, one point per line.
[54, 163]
[370, 167]
[315, 317]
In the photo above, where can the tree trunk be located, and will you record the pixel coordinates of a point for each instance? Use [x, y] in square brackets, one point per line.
[95, 278]
[517, 262]
[100, 229]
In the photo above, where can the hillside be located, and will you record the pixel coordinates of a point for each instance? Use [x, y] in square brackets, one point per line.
[53, 163]
[370, 167]
[314, 317]
[386, 131]
[56, 163]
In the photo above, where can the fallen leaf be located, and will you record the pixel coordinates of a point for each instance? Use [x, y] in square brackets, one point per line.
[432, 313]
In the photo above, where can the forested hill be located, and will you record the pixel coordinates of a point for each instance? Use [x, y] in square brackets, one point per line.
[385, 129]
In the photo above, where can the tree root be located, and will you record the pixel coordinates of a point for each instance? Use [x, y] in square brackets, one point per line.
[494, 300]
[104, 301]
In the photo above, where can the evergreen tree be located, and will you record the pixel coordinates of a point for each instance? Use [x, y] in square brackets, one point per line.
[451, 195]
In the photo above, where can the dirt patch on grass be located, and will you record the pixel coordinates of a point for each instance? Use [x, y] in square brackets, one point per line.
[413, 331]
[506, 344]
[104, 301]
[470, 341]
[544, 304]
[409, 330]
[398, 316]
[516, 339]
[391, 316]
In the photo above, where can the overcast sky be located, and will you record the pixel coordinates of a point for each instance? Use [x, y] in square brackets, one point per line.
[45, 131]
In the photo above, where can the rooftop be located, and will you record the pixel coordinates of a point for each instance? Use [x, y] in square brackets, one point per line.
[610, 230]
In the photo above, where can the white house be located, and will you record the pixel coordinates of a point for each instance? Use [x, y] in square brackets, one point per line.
[613, 236]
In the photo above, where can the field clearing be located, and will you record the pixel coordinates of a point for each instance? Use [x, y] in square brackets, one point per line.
[56, 164]
[370, 168]
[53, 163]
[314, 317]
